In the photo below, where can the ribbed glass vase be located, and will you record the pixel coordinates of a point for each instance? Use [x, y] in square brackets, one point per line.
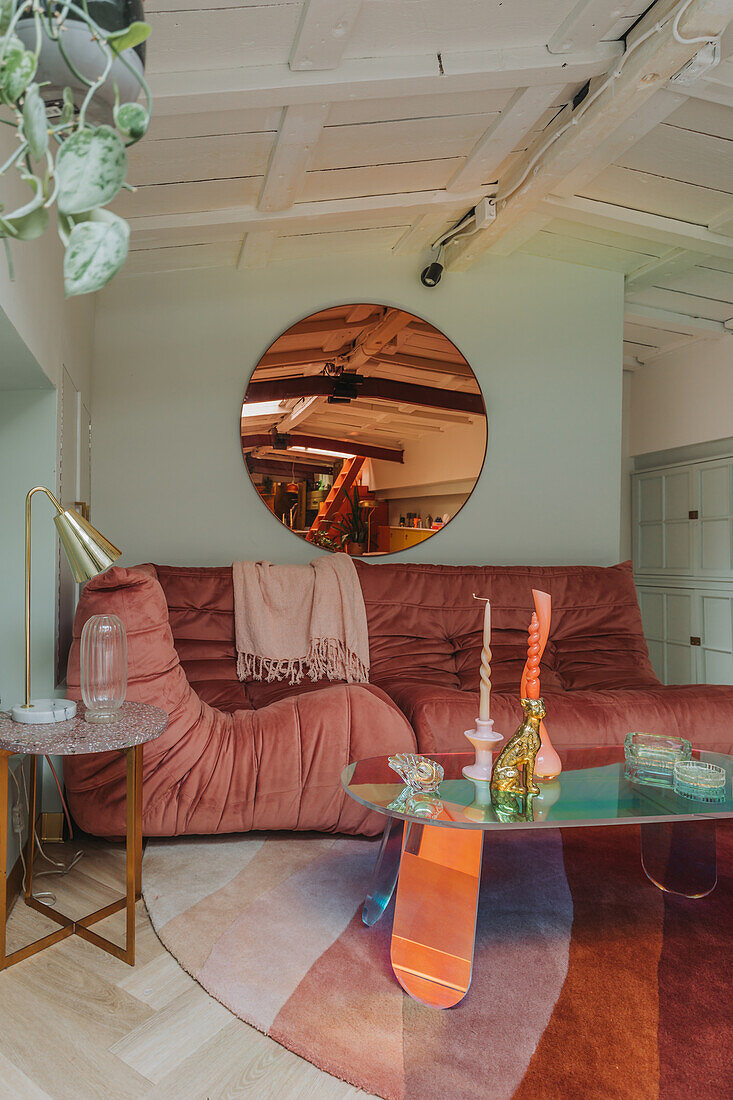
[103, 667]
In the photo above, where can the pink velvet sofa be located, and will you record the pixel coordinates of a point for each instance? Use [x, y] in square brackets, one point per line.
[239, 756]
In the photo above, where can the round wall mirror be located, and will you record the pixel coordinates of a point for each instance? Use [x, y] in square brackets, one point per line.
[363, 429]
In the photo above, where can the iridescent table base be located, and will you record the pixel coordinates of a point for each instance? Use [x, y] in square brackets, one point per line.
[435, 913]
[680, 856]
[386, 870]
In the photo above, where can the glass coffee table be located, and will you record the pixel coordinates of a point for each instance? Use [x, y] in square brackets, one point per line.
[432, 845]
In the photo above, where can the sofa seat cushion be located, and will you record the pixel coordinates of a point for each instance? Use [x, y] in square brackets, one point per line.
[261, 693]
[224, 695]
[701, 713]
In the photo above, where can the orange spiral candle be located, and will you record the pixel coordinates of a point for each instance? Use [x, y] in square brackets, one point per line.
[532, 689]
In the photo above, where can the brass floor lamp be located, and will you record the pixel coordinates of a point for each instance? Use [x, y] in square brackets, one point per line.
[88, 553]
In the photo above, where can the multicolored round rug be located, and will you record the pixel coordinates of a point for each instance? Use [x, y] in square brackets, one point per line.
[588, 982]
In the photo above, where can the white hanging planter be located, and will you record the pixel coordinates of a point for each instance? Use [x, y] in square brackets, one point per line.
[85, 56]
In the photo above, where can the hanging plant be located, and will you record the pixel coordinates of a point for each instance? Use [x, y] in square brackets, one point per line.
[70, 75]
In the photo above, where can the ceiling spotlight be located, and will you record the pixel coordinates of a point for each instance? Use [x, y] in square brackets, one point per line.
[432, 273]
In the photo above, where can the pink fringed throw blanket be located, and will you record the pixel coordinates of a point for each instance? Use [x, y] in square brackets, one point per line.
[293, 620]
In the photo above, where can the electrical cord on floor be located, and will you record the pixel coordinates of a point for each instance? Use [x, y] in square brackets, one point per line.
[47, 897]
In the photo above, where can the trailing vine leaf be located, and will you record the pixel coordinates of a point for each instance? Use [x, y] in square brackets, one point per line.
[90, 169]
[132, 120]
[131, 36]
[35, 123]
[96, 251]
[90, 162]
[28, 221]
[6, 14]
[16, 72]
[30, 226]
[67, 111]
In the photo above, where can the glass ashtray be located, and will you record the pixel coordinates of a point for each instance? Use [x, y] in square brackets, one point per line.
[699, 780]
[651, 757]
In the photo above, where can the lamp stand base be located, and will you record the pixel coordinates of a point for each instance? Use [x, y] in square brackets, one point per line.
[44, 711]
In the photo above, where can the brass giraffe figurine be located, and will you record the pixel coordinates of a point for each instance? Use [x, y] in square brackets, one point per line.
[519, 753]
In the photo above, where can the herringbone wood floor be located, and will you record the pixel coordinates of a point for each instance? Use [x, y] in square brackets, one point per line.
[77, 1023]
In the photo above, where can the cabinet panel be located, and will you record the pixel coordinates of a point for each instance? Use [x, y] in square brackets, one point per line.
[651, 549]
[683, 556]
[669, 618]
[651, 603]
[715, 494]
[681, 665]
[677, 495]
[651, 497]
[715, 545]
[677, 547]
[679, 617]
[717, 638]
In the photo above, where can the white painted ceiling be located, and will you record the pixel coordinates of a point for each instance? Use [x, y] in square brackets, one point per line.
[306, 127]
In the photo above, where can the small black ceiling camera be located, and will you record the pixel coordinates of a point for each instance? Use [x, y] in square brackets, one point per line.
[431, 275]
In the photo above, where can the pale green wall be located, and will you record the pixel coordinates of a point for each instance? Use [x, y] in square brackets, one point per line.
[27, 458]
[173, 354]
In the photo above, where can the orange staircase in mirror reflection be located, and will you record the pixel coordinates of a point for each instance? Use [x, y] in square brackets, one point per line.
[337, 500]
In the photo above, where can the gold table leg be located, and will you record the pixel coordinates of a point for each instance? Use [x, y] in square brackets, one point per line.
[81, 927]
[435, 913]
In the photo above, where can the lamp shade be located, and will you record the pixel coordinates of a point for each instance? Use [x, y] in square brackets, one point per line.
[88, 551]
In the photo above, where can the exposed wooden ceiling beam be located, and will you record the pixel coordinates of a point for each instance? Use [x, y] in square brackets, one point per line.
[670, 321]
[515, 120]
[338, 326]
[374, 78]
[284, 467]
[256, 249]
[384, 389]
[326, 443]
[587, 23]
[673, 263]
[324, 30]
[304, 408]
[650, 227]
[300, 130]
[654, 54]
[306, 217]
[457, 367]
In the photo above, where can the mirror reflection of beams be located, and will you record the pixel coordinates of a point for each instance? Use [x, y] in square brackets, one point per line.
[364, 429]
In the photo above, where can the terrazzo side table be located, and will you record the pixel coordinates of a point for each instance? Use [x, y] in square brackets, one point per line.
[137, 724]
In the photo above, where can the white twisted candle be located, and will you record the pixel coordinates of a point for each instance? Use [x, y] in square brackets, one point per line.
[484, 699]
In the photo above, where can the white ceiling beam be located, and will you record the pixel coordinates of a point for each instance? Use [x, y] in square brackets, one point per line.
[588, 23]
[304, 408]
[256, 250]
[650, 227]
[673, 263]
[518, 117]
[310, 217]
[324, 30]
[532, 224]
[709, 90]
[421, 234]
[374, 78]
[669, 321]
[649, 356]
[654, 54]
[722, 223]
[649, 115]
[301, 127]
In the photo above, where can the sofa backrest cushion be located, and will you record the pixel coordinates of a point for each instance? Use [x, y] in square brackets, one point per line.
[425, 625]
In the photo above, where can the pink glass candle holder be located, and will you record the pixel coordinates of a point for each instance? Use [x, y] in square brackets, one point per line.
[103, 667]
[484, 739]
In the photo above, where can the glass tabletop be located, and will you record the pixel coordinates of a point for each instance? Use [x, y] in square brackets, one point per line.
[591, 790]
